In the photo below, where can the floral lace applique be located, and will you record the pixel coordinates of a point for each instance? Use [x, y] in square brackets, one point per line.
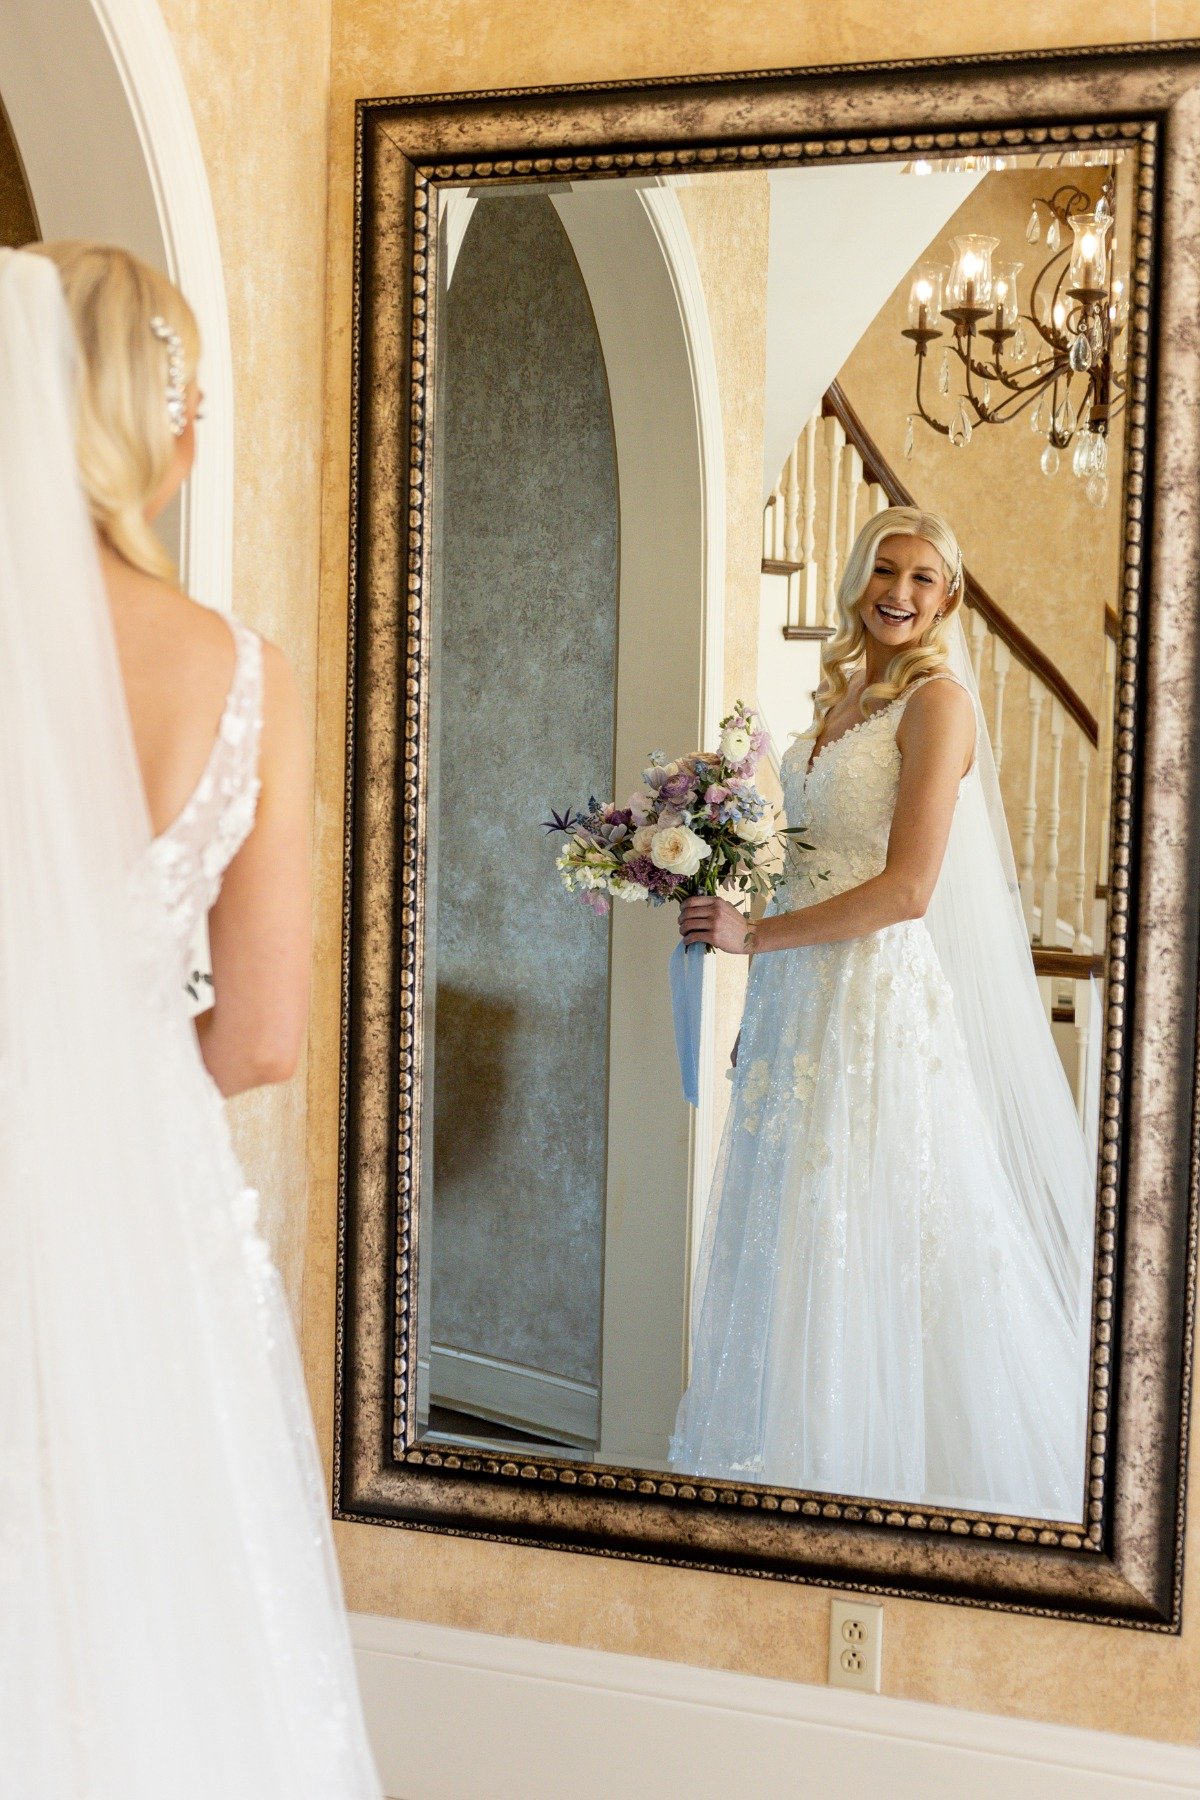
[180, 875]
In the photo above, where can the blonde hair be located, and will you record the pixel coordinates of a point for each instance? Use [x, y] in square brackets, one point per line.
[123, 438]
[845, 649]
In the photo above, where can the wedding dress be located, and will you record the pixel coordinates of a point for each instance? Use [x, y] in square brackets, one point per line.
[171, 1620]
[887, 1304]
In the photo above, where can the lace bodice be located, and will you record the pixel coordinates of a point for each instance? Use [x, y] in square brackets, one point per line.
[180, 875]
[843, 801]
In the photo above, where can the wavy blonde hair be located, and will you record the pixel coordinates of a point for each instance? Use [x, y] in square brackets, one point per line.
[123, 438]
[845, 649]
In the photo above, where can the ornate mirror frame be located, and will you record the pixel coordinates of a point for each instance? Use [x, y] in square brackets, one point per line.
[1121, 1564]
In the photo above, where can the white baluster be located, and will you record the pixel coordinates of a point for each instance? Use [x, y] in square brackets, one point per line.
[835, 443]
[768, 547]
[1081, 941]
[809, 547]
[1104, 793]
[1086, 1021]
[852, 464]
[878, 501]
[978, 635]
[791, 507]
[1037, 699]
[1001, 662]
[1058, 726]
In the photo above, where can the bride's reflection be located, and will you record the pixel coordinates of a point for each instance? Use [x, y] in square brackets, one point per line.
[891, 1298]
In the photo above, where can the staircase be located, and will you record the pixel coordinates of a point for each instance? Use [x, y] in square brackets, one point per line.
[1054, 758]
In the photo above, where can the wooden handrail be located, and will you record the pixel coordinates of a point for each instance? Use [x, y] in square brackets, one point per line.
[1068, 965]
[877, 470]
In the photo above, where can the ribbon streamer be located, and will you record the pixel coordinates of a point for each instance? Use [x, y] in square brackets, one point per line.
[686, 974]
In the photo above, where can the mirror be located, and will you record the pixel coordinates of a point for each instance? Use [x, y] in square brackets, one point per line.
[666, 408]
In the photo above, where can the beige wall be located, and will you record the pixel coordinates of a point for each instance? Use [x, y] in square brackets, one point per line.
[1048, 558]
[728, 220]
[258, 80]
[258, 90]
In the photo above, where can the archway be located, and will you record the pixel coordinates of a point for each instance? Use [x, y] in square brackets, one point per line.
[104, 128]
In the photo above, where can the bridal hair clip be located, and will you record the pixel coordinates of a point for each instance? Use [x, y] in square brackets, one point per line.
[176, 395]
[956, 580]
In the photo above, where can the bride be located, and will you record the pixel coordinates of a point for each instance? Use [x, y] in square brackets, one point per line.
[171, 1620]
[892, 1295]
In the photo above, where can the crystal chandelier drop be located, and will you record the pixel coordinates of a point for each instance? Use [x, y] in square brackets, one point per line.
[1062, 358]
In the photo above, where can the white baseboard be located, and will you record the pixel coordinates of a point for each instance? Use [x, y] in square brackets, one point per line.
[551, 1406]
[458, 1715]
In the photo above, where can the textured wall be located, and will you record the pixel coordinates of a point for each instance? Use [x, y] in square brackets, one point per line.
[17, 223]
[728, 219]
[1119, 1680]
[528, 602]
[1050, 559]
[258, 81]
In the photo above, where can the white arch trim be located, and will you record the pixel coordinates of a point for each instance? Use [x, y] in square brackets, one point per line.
[670, 227]
[637, 261]
[105, 129]
[153, 82]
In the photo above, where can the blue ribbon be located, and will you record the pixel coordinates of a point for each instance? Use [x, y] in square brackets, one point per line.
[686, 974]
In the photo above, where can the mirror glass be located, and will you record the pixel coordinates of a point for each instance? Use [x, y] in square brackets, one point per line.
[668, 414]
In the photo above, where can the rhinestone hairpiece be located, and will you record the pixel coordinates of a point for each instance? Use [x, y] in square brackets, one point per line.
[175, 393]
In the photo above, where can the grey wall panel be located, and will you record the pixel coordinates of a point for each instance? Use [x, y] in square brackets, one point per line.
[527, 588]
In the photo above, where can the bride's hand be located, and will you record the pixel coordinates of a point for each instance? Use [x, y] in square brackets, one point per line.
[707, 919]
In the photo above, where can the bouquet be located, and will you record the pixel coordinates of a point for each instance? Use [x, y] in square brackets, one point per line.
[695, 825]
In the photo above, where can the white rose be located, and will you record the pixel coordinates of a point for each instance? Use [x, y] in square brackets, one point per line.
[678, 850]
[735, 744]
[643, 837]
[755, 831]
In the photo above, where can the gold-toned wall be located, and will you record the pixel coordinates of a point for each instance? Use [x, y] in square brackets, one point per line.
[728, 221]
[1118, 1680]
[258, 81]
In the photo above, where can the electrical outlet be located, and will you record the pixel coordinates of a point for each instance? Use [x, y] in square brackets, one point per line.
[855, 1645]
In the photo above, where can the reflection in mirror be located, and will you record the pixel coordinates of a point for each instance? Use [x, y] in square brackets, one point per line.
[675, 421]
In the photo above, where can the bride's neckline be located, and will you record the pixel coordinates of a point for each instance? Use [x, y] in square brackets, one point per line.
[817, 749]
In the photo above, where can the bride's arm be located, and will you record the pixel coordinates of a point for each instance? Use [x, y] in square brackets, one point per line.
[259, 927]
[936, 739]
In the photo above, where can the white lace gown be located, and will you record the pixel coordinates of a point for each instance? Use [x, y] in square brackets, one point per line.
[871, 1317]
[226, 1567]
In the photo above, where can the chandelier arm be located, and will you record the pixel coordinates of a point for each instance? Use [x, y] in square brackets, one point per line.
[927, 416]
[1024, 397]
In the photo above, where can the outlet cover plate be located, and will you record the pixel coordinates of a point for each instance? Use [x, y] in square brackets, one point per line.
[855, 1645]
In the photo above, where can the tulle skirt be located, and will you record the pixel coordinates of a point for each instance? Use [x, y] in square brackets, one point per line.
[171, 1617]
[872, 1316]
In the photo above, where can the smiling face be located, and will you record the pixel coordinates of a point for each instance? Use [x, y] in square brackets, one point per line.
[907, 586]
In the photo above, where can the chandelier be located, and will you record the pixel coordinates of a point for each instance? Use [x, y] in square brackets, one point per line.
[1059, 358]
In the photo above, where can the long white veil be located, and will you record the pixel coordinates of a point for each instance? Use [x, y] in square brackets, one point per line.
[978, 928]
[167, 1625]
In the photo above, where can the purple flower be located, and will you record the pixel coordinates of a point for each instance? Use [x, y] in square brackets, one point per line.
[678, 789]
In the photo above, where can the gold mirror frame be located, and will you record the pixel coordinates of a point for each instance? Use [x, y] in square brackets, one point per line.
[1122, 1563]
